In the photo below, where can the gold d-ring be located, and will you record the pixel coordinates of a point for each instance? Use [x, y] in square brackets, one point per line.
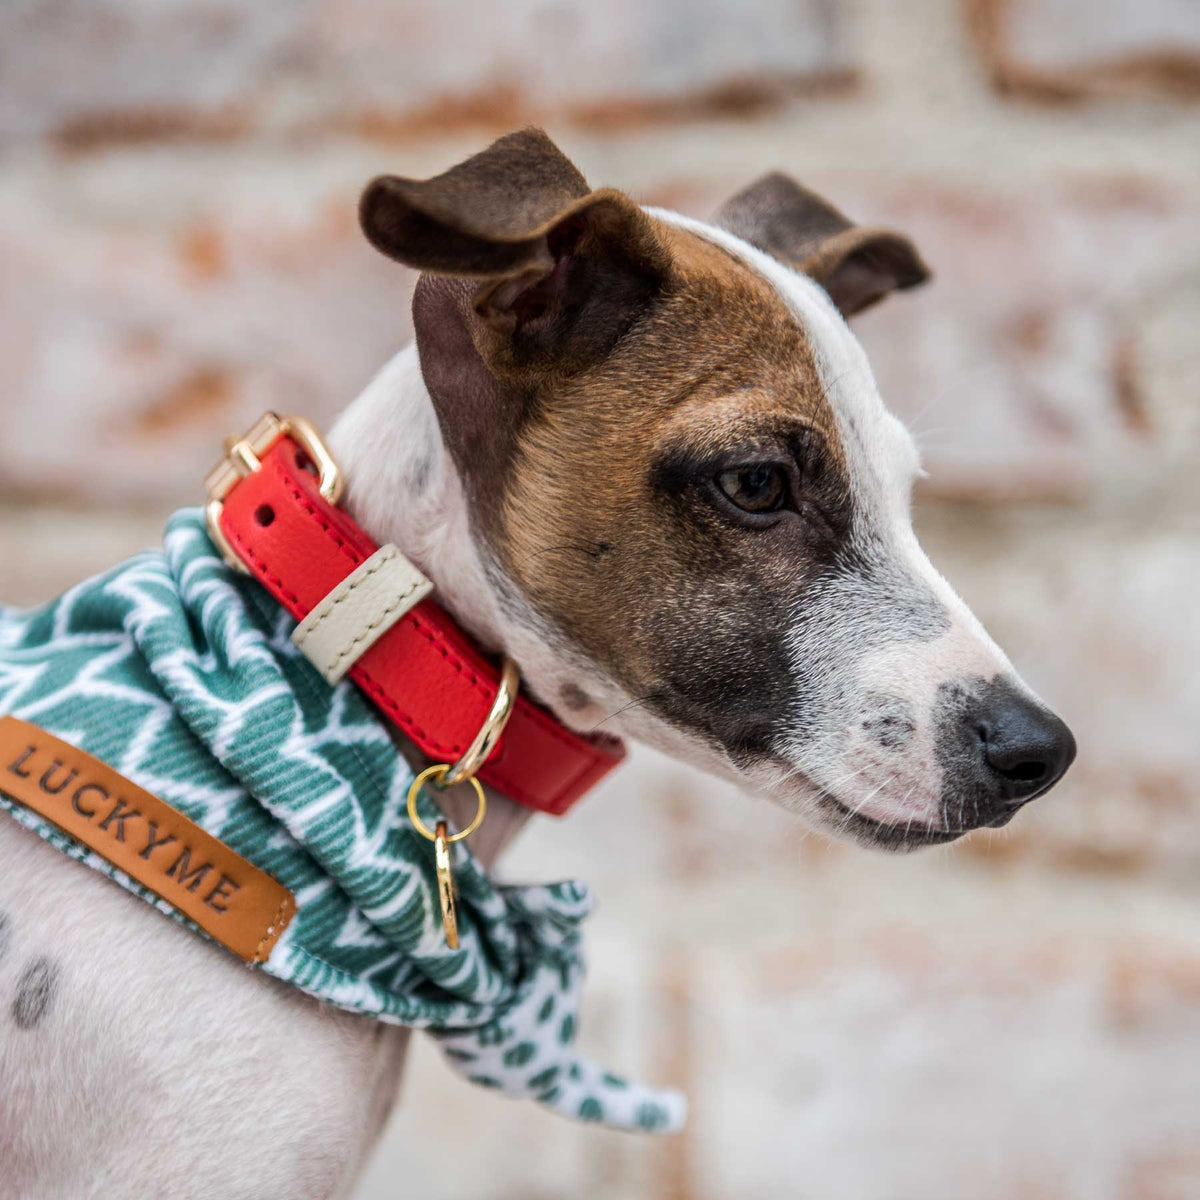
[438, 772]
[489, 734]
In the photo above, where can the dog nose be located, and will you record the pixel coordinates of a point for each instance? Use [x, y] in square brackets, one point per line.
[1024, 744]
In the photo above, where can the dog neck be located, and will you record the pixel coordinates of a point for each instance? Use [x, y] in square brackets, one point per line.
[403, 488]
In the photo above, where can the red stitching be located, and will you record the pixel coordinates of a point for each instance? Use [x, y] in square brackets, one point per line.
[526, 709]
[438, 641]
[406, 722]
[432, 635]
[435, 638]
[593, 757]
[249, 552]
[304, 503]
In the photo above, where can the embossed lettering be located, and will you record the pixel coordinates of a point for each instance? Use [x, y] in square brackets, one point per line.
[15, 768]
[224, 889]
[121, 813]
[155, 841]
[235, 902]
[183, 864]
[45, 785]
[76, 803]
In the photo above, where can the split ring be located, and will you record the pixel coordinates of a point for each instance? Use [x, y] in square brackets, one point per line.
[437, 773]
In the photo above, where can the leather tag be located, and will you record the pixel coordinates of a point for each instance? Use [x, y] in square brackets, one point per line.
[233, 901]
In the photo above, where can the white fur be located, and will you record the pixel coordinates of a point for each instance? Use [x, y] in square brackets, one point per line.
[164, 1067]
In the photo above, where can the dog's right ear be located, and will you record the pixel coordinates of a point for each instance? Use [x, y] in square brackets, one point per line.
[561, 270]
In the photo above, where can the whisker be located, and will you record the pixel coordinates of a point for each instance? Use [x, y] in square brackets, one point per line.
[856, 810]
[826, 788]
[623, 708]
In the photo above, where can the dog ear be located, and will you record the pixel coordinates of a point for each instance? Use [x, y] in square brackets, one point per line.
[856, 265]
[486, 216]
[561, 269]
[527, 277]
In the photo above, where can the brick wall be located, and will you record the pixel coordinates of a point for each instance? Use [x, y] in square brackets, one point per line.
[1017, 1017]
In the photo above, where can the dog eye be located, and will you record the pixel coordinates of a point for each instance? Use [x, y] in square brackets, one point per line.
[758, 489]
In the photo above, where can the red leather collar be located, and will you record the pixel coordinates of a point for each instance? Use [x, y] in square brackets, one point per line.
[425, 673]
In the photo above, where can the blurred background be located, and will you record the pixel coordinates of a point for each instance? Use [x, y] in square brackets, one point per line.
[1016, 1017]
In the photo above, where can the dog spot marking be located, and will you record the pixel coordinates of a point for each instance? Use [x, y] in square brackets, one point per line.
[574, 697]
[36, 992]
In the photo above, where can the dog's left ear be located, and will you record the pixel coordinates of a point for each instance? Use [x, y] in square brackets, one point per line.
[554, 271]
[857, 265]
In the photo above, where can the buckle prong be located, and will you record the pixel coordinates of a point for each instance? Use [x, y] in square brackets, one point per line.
[242, 457]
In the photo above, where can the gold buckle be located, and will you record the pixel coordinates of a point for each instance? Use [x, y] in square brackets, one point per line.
[243, 456]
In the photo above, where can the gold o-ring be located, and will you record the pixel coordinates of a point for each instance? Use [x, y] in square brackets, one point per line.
[437, 772]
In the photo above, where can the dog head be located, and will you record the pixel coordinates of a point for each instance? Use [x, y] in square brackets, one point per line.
[693, 507]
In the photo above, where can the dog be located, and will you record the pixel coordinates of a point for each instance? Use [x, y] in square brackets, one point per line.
[643, 456]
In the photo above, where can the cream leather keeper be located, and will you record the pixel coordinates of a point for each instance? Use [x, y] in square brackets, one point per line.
[359, 611]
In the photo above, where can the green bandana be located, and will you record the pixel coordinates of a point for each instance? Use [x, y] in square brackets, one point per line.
[181, 675]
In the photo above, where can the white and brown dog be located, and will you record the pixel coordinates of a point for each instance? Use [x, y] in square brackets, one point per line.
[645, 457]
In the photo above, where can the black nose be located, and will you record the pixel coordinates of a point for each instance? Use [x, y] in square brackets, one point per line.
[1024, 743]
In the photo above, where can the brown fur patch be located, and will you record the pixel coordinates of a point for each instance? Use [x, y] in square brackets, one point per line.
[717, 363]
